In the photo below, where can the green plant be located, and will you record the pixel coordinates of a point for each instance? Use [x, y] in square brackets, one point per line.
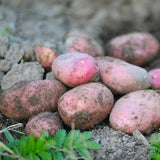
[153, 88]
[21, 60]
[71, 146]
[5, 29]
[155, 147]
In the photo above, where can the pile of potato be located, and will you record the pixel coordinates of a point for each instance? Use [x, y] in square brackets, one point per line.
[86, 82]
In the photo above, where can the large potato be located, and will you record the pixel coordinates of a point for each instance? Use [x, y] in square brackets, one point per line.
[75, 69]
[122, 77]
[25, 99]
[85, 105]
[139, 110]
[136, 48]
[44, 121]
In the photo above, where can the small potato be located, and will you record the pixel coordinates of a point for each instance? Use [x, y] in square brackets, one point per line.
[85, 105]
[75, 69]
[155, 76]
[83, 45]
[44, 121]
[25, 99]
[45, 56]
[122, 77]
[137, 110]
[77, 33]
[136, 48]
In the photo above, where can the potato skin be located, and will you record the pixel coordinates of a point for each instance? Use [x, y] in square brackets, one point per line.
[75, 69]
[155, 76]
[121, 77]
[84, 45]
[44, 121]
[77, 33]
[85, 105]
[25, 99]
[45, 56]
[137, 110]
[136, 48]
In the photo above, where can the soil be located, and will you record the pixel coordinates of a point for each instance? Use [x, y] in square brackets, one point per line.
[38, 22]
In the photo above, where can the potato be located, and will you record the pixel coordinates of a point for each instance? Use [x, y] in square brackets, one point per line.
[85, 105]
[138, 110]
[75, 69]
[155, 76]
[122, 77]
[45, 56]
[83, 45]
[77, 33]
[44, 121]
[25, 99]
[136, 48]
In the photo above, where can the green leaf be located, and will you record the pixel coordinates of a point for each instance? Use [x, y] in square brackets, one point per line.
[30, 146]
[9, 136]
[60, 137]
[91, 145]
[22, 146]
[35, 157]
[153, 88]
[57, 155]
[40, 141]
[84, 153]
[5, 29]
[45, 155]
[69, 140]
[155, 156]
[82, 138]
[2, 145]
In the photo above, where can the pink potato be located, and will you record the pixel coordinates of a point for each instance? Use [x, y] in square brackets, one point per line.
[138, 110]
[44, 121]
[136, 48]
[122, 77]
[25, 99]
[83, 45]
[85, 105]
[77, 33]
[155, 76]
[45, 56]
[75, 69]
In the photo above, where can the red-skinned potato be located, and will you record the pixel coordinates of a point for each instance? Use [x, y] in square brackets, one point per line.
[77, 33]
[45, 56]
[75, 69]
[83, 45]
[137, 110]
[155, 76]
[136, 48]
[85, 105]
[122, 77]
[25, 99]
[44, 121]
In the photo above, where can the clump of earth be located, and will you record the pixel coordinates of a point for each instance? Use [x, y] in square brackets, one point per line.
[45, 22]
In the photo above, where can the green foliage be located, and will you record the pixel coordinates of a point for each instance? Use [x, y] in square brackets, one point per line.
[1, 91]
[153, 88]
[21, 60]
[155, 147]
[5, 29]
[73, 145]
